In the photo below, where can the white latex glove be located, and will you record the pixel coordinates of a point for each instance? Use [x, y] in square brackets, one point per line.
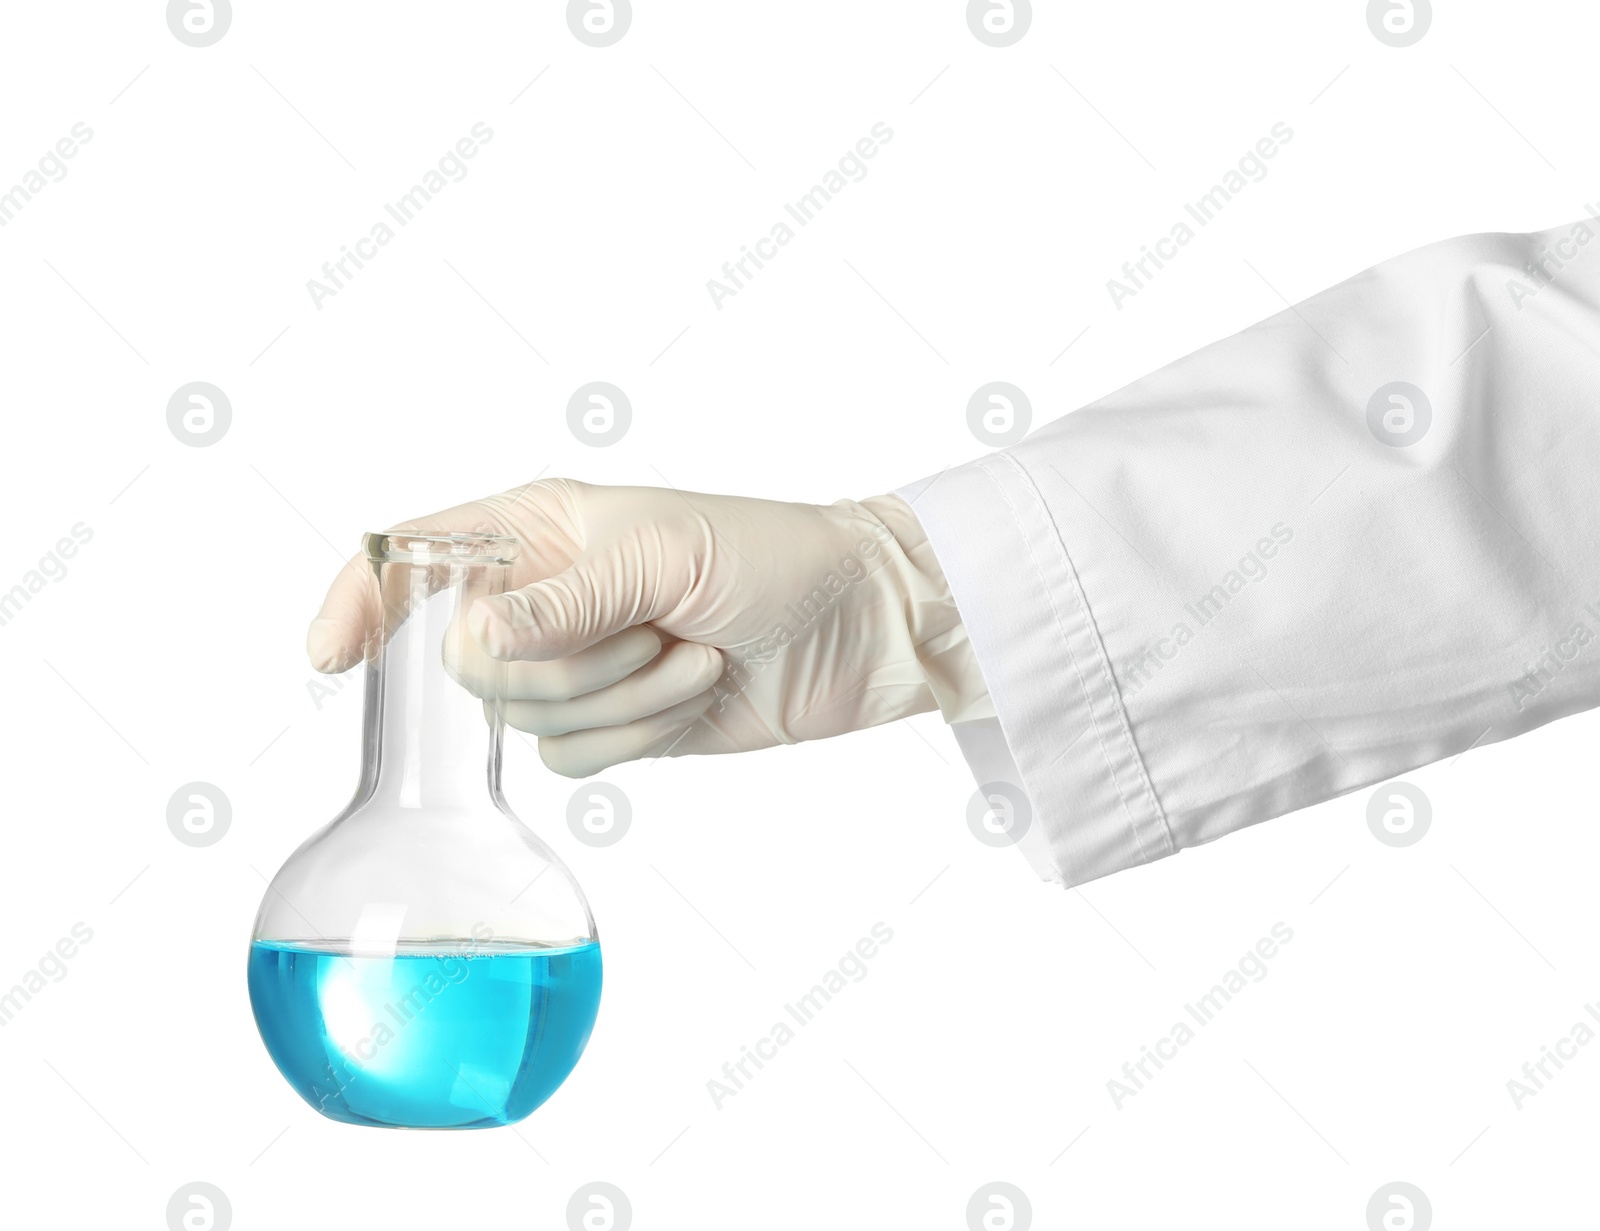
[650, 621]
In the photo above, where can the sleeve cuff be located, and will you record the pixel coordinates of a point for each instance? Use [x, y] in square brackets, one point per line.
[1062, 736]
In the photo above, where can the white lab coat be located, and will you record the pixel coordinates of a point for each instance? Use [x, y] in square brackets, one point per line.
[1266, 574]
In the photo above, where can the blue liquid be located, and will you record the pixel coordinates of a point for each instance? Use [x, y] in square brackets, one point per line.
[441, 1035]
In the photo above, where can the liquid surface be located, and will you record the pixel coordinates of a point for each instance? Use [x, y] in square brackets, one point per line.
[457, 1035]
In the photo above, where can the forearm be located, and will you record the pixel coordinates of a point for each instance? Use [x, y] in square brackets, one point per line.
[1229, 591]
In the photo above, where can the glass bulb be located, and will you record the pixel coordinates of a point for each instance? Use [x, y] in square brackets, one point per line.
[424, 961]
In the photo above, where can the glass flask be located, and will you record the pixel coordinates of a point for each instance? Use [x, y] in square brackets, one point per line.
[424, 961]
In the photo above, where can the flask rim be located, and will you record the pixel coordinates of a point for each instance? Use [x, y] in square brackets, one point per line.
[404, 546]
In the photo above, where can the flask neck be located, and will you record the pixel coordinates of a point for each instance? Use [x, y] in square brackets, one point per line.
[429, 742]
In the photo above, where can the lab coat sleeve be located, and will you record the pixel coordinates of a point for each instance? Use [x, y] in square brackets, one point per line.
[1353, 539]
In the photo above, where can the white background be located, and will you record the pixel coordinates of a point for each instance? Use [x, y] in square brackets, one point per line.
[978, 1047]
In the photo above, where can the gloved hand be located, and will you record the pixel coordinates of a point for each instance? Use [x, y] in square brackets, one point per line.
[649, 621]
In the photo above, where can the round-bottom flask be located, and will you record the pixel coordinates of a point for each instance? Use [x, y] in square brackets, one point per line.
[424, 961]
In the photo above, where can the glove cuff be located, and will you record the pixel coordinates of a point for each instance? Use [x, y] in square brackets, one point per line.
[933, 621]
